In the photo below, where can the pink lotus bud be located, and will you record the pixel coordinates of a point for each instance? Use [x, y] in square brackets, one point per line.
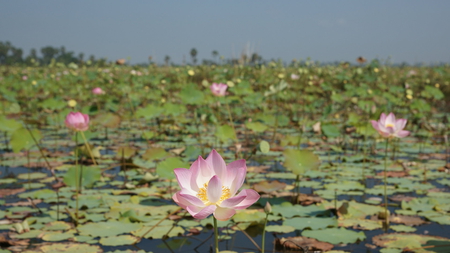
[97, 91]
[77, 121]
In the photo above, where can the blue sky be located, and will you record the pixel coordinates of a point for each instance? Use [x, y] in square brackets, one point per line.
[406, 31]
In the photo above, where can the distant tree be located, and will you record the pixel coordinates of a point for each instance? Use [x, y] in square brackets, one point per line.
[167, 60]
[255, 58]
[92, 59]
[214, 55]
[4, 50]
[49, 53]
[194, 55]
[15, 57]
[81, 58]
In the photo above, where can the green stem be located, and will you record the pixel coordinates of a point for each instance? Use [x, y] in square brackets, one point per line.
[385, 184]
[231, 121]
[263, 242]
[88, 148]
[29, 168]
[77, 181]
[197, 125]
[216, 235]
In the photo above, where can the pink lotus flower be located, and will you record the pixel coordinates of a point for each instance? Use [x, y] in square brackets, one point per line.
[389, 127]
[210, 187]
[219, 89]
[97, 91]
[77, 121]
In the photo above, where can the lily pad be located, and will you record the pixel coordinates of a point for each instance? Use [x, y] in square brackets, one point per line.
[335, 235]
[118, 240]
[108, 228]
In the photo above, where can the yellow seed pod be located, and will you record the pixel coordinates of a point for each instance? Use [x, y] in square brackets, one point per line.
[191, 72]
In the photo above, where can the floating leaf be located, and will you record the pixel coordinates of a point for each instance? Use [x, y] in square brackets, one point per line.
[256, 127]
[155, 154]
[68, 247]
[300, 161]
[330, 130]
[335, 235]
[90, 175]
[21, 139]
[166, 167]
[9, 125]
[264, 147]
[108, 228]
[313, 223]
[108, 120]
[118, 240]
[225, 133]
[280, 229]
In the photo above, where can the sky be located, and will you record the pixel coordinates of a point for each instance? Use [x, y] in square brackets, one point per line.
[408, 31]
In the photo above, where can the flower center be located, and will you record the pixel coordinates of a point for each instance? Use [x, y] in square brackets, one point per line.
[203, 196]
[389, 125]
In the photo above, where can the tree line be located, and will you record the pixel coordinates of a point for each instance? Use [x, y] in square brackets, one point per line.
[11, 55]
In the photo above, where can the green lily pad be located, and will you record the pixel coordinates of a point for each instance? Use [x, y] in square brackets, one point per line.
[402, 228]
[158, 232]
[57, 236]
[360, 224]
[335, 235]
[280, 229]
[57, 225]
[118, 240]
[90, 175]
[313, 223]
[288, 210]
[165, 168]
[34, 175]
[21, 139]
[67, 248]
[300, 161]
[107, 228]
[412, 241]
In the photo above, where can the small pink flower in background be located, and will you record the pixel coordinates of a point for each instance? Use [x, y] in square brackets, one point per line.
[77, 121]
[24, 78]
[98, 91]
[389, 127]
[295, 76]
[209, 186]
[219, 89]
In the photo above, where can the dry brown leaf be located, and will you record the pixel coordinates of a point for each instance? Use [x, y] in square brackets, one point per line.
[269, 187]
[401, 197]
[310, 244]
[9, 192]
[24, 203]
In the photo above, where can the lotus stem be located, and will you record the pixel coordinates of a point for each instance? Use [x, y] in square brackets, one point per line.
[231, 121]
[88, 148]
[385, 185]
[216, 235]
